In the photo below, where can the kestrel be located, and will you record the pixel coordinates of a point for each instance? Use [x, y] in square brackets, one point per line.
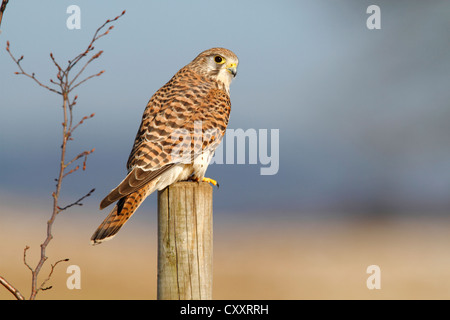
[182, 125]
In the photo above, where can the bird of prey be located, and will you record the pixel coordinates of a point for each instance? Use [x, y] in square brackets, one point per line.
[181, 127]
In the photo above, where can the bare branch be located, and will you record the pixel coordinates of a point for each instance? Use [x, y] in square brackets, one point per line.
[66, 86]
[82, 120]
[83, 154]
[50, 275]
[22, 72]
[90, 77]
[78, 202]
[74, 102]
[84, 67]
[55, 63]
[11, 289]
[90, 47]
[25, 258]
[71, 171]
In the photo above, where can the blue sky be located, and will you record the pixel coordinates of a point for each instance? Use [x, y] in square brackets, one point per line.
[362, 114]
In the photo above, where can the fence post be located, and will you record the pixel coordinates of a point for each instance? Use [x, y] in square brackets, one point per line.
[185, 242]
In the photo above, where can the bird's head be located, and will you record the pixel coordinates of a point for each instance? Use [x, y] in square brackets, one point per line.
[220, 64]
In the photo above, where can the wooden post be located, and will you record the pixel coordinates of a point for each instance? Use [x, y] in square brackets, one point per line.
[185, 242]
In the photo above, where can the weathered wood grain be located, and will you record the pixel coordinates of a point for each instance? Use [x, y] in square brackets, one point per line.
[185, 242]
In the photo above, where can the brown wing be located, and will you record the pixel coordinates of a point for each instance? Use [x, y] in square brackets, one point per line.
[172, 113]
[134, 181]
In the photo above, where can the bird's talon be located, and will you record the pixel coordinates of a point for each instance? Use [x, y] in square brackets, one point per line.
[213, 182]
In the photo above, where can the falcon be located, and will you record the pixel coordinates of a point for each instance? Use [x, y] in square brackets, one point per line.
[182, 125]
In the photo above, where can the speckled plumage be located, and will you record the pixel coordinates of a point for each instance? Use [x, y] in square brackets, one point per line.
[181, 127]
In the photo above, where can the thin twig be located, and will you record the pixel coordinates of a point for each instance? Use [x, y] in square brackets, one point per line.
[79, 123]
[84, 67]
[90, 77]
[25, 258]
[78, 202]
[22, 72]
[71, 171]
[90, 47]
[50, 275]
[83, 154]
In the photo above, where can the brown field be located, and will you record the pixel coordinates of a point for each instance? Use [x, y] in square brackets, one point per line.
[259, 260]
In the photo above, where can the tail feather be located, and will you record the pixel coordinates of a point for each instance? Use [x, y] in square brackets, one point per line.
[120, 214]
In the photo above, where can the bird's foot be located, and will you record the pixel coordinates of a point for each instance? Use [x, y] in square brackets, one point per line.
[209, 180]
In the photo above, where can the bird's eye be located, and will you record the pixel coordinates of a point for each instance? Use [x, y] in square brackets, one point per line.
[219, 59]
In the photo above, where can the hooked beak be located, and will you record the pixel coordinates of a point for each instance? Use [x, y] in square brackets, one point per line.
[232, 68]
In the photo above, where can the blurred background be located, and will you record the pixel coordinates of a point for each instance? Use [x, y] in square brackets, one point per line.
[364, 149]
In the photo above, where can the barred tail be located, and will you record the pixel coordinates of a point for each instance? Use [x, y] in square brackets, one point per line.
[122, 211]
